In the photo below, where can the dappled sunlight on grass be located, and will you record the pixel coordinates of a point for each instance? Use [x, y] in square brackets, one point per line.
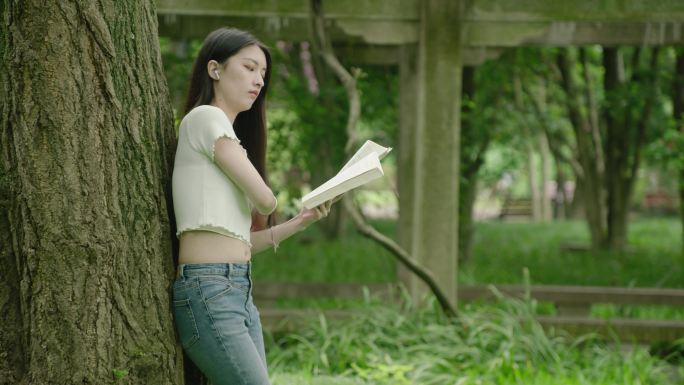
[501, 251]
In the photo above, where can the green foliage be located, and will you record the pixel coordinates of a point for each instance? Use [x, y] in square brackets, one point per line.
[379, 94]
[307, 125]
[668, 150]
[318, 105]
[489, 119]
[310, 257]
[498, 344]
[649, 261]
[653, 258]
[120, 373]
[178, 58]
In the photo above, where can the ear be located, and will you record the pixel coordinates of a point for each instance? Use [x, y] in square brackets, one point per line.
[212, 67]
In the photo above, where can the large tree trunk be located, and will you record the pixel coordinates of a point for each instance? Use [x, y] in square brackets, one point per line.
[625, 132]
[617, 152]
[588, 153]
[86, 146]
[608, 180]
[545, 157]
[550, 149]
[532, 181]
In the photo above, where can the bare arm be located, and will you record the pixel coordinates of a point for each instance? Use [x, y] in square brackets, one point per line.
[231, 158]
[271, 237]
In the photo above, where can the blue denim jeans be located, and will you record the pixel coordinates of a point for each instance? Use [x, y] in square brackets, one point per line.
[218, 324]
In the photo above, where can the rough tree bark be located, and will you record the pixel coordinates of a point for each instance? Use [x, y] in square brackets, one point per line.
[86, 144]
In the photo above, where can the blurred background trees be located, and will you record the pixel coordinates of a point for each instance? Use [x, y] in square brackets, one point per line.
[591, 132]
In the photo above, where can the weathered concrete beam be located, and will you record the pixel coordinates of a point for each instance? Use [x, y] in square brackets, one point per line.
[373, 22]
[569, 33]
[476, 33]
[267, 29]
[474, 56]
[298, 9]
[390, 55]
[488, 23]
[274, 27]
[638, 11]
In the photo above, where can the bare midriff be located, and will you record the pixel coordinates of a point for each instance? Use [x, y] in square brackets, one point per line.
[198, 246]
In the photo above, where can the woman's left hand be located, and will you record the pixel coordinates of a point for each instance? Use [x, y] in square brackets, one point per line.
[309, 216]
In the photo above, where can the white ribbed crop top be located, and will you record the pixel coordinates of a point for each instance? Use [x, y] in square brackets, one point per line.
[205, 198]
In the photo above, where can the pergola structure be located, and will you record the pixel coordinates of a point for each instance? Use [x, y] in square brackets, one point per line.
[430, 41]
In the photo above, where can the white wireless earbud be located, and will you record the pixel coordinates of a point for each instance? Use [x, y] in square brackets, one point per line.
[217, 75]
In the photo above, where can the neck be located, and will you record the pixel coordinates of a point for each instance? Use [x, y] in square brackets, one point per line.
[220, 103]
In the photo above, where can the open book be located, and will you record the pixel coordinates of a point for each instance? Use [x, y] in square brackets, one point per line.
[362, 168]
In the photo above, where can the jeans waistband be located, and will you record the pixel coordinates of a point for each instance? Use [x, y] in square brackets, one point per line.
[224, 269]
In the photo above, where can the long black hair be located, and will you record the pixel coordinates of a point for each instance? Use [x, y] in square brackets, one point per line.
[250, 125]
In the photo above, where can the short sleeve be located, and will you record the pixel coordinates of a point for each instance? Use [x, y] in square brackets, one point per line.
[207, 125]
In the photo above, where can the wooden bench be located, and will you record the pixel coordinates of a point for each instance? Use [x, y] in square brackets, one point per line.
[577, 300]
[516, 208]
[573, 304]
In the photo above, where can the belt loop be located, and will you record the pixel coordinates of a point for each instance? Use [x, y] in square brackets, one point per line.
[228, 268]
[249, 277]
[181, 272]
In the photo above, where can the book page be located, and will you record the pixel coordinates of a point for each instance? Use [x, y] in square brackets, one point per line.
[365, 164]
[368, 147]
[363, 167]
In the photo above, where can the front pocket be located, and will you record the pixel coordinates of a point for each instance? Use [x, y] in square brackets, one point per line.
[184, 284]
[185, 323]
[214, 288]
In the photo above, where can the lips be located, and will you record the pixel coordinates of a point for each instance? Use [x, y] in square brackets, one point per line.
[254, 93]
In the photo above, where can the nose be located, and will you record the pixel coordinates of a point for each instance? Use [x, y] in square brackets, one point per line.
[259, 81]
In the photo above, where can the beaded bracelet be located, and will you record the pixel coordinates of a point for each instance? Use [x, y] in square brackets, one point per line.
[273, 242]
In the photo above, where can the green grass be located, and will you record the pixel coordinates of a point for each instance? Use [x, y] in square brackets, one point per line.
[502, 250]
[401, 344]
[496, 344]
[500, 253]
[309, 257]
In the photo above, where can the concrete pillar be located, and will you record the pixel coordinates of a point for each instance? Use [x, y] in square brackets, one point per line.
[406, 156]
[429, 226]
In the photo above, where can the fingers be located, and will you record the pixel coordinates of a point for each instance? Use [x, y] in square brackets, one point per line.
[323, 209]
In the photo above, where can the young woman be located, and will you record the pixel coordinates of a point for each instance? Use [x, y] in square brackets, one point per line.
[218, 187]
